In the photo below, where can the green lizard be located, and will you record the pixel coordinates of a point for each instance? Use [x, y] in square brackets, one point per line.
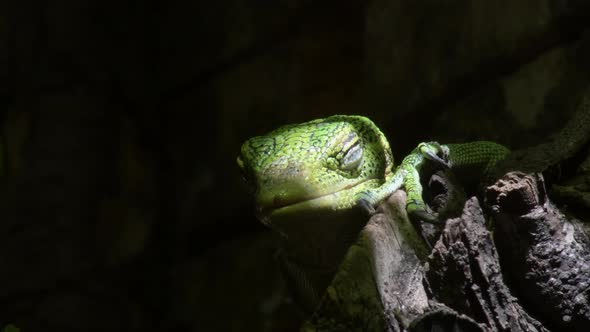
[343, 161]
[309, 177]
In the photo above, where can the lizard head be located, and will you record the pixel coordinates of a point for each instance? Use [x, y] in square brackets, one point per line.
[321, 164]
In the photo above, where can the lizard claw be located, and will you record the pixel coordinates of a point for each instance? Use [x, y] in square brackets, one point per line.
[368, 207]
[425, 216]
[419, 211]
[431, 152]
[365, 200]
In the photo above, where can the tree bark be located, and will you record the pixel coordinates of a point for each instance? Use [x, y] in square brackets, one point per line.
[545, 255]
[389, 282]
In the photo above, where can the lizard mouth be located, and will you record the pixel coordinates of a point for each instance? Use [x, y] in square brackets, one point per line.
[331, 200]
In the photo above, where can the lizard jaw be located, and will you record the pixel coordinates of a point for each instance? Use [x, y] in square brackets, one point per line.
[330, 201]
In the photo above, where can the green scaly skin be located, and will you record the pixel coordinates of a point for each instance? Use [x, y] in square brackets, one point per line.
[344, 161]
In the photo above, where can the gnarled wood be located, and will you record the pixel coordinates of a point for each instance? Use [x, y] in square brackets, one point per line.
[464, 273]
[545, 255]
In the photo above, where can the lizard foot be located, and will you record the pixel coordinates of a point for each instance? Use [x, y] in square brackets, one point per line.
[368, 207]
[426, 216]
[366, 201]
[431, 151]
[418, 210]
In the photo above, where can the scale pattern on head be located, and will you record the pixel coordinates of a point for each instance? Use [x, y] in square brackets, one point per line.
[304, 161]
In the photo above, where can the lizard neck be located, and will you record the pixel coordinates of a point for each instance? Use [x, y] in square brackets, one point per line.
[317, 241]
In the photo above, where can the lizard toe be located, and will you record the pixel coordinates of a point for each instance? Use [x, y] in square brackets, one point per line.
[417, 209]
[367, 206]
[431, 151]
[366, 201]
[425, 216]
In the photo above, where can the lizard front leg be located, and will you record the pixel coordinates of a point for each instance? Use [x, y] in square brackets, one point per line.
[408, 176]
[431, 151]
[477, 158]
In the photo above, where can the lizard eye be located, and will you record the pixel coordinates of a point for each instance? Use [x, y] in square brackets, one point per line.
[352, 158]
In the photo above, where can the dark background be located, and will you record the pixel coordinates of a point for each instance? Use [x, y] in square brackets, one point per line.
[122, 207]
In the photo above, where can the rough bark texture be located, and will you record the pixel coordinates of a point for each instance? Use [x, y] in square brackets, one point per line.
[464, 273]
[545, 255]
[383, 286]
